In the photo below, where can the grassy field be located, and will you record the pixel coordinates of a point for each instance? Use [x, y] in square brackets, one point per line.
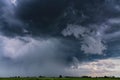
[59, 78]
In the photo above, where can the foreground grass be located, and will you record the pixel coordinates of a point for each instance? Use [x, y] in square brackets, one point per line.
[59, 78]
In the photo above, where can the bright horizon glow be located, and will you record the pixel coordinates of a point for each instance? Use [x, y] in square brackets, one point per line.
[99, 68]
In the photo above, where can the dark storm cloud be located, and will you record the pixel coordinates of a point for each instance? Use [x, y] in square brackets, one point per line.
[41, 15]
[10, 25]
[51, 17]
[48, 36]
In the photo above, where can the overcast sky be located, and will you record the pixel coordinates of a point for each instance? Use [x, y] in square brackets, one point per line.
[59, 37]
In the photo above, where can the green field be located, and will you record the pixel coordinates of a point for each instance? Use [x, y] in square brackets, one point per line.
[59, 78]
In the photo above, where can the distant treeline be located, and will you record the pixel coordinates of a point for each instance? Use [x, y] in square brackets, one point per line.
[60, 76]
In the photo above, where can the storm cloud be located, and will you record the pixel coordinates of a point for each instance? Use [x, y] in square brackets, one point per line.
[49, 37]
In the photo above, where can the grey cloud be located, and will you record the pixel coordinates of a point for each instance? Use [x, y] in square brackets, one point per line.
[48, 37]
[36, 56]
[90, 43]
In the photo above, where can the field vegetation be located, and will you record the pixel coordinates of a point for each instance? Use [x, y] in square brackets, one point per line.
[61, 78]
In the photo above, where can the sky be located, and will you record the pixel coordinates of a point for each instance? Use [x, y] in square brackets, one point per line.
[59, 37]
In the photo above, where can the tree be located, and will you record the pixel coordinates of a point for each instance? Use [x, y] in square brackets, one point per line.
[60, 76]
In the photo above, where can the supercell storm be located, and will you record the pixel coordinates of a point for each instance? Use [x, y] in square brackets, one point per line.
[59, 37]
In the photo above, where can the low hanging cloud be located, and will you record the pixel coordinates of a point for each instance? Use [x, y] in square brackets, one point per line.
[28, 55]
[20, 46]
